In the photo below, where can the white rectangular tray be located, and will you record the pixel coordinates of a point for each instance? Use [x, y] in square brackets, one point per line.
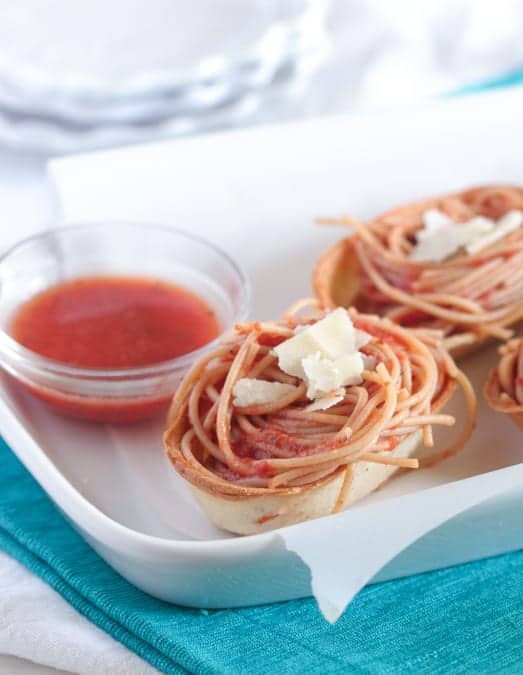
[256, 193]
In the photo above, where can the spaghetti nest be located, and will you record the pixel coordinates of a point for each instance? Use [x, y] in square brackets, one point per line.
[468, 297]
[504, 386]
[287, 447]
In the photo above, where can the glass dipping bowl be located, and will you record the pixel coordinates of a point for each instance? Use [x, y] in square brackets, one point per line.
[119, 395]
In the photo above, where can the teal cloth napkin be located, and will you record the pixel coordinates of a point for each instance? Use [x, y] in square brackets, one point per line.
[466, 619]
[507, 80]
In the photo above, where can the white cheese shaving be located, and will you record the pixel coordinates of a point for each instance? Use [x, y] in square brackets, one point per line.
[249, 391]
[291, 353]
[433, 220]
[332, 336]
[369, 361]
[510, 222]
[327, 401]
[362, 338]
[440, 243]
[321, 375]
[441, 237]
[325, 355]
[325, 375]
[336, 335]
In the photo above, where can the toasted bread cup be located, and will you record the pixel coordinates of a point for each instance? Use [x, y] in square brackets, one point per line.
[261, 513]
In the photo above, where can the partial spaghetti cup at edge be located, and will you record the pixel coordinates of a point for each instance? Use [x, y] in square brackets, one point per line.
[264, 443]
[453, 263]
[503, 388]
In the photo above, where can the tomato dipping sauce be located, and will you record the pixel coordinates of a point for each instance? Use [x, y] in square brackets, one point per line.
[112, 322]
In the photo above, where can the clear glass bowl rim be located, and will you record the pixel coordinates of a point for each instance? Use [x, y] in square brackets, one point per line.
[14, 351]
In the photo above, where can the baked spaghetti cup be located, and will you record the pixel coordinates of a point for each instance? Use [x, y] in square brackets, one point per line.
[299, 418]
[503, 389]
[452, 263]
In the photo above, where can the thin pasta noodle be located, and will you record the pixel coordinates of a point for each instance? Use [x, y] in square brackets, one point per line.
[503, 388]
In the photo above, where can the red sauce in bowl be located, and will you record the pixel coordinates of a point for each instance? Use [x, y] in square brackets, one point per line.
[112, 322]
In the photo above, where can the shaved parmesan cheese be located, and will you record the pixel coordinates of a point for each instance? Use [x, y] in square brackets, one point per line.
[335, 334]
[440, 243]
[362, 338]
[369, 361]
[434, 219]
[327, 401]
[332, 336]
[441, 237]
[291, 352]
[250, 391]
[321, 375]
[325, 355]
[325, 375]
[350, 367]
[510, 222]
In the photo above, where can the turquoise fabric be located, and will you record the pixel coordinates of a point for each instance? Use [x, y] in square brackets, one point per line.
[467, 619]
[508, 80]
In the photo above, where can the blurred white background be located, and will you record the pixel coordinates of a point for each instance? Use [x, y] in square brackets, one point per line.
[395, 53]
[77, 75]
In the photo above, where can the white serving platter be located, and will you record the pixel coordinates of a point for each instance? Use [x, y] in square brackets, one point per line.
[256, 193]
